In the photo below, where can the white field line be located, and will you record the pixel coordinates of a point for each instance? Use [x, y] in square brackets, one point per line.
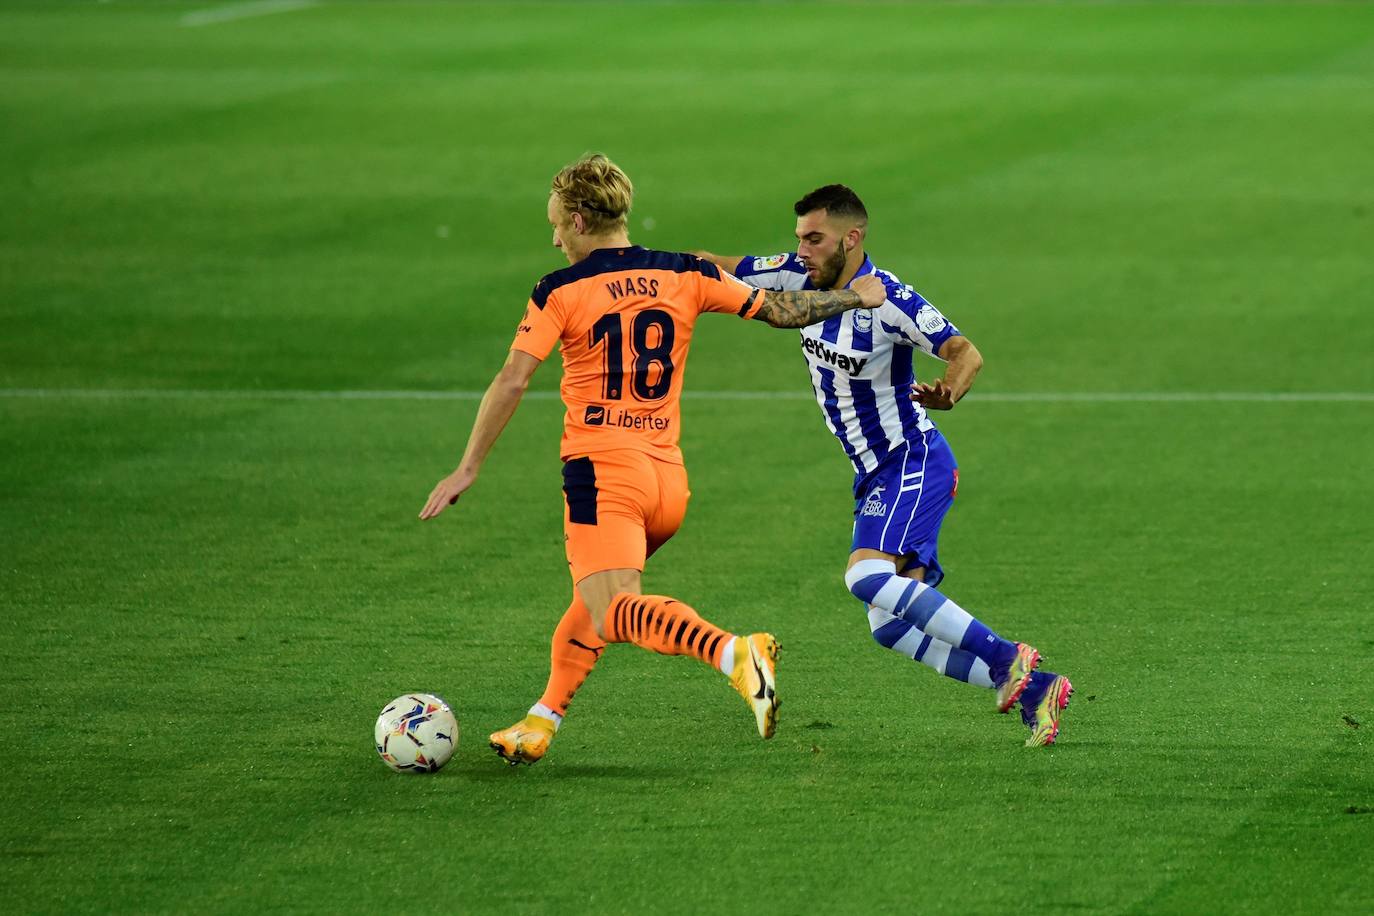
[1027, 397]
[234, 11]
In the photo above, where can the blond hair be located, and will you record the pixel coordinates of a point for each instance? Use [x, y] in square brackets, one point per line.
[598, 189]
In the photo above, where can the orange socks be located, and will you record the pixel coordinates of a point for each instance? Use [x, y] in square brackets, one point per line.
[574, 653]
[666, 626]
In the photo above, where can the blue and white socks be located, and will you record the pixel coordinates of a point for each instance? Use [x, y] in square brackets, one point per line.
[922, 623]
[895, 633]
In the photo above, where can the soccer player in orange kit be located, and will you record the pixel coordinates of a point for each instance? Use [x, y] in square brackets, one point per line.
[624, 316]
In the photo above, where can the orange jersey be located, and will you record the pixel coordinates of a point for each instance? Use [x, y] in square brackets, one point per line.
[624, 317]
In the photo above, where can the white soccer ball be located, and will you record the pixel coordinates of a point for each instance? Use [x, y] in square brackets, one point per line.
[416, 733]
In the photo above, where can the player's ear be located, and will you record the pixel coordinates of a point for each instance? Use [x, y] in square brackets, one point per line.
[579, 222]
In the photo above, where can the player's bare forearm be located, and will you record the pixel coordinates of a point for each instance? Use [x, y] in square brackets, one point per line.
[798, 308]
[498, 406]
[964, 362]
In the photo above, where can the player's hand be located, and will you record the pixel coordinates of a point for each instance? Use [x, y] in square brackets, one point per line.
[446, 493]
[935, 396]
[871, 291]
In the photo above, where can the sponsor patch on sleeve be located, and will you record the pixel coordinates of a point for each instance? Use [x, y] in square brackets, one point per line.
[772, 263]
[929, 320]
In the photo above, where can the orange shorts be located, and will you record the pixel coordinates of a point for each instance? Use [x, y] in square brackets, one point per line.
[619, 507]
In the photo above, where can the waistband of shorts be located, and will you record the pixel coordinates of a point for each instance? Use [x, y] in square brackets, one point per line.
[928, 439]
[666, 456]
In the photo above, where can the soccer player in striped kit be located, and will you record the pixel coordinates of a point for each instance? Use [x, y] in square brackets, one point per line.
[905, 476]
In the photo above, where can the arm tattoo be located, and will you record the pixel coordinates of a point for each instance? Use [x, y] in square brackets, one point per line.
[798, 308]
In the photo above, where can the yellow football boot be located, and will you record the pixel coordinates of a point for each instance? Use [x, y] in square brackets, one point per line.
[755, 677]
[524, 742]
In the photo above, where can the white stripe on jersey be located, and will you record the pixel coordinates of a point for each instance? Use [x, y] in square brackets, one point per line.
[839, 431]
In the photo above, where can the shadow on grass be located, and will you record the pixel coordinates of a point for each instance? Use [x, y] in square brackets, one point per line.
[570, 770]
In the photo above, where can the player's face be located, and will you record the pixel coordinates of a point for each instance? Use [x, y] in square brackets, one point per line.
[821, 248]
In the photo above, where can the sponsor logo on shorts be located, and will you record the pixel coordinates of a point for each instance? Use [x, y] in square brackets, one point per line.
[873, 505]
[600, 415]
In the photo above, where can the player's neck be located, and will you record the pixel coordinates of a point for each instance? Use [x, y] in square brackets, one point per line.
[852, 263]
[591, 243]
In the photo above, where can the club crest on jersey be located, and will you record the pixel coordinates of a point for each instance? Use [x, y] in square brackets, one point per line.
[873, 505]
[929, 320]
[863, 320]
[772, 263]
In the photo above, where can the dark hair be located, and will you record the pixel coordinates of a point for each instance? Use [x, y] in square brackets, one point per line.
[835, 199]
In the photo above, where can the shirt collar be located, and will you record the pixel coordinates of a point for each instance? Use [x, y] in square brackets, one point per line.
[865, 268]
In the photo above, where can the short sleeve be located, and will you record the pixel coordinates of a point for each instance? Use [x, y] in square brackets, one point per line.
[721, 292]
[909, 319]
[777, 271]
[540, 327]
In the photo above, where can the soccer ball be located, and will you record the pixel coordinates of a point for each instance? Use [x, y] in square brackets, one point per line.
[416, 733]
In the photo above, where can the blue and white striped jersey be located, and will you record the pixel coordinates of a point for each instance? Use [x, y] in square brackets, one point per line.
[860, 361]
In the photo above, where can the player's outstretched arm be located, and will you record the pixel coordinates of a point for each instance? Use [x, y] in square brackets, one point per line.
[964, 362]
[724, 262]
[798, 308]
[498, 405]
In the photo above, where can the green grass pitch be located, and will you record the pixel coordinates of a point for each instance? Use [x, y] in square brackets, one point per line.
[206, 597]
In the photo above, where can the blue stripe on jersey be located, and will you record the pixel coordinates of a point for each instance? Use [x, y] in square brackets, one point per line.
[863, 336]
[866, 407]
[830, 332]
[831, 405]
[902, 380]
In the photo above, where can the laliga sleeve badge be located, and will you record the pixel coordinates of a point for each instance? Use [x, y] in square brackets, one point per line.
[772, 263]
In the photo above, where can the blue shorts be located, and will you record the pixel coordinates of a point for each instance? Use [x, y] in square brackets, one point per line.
[900, 504]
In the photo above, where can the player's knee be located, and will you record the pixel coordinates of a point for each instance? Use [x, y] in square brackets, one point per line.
[867, 577]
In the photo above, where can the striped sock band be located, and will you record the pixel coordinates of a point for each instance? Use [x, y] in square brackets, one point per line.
[875, 582]
[896, 634]
[664, 625]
